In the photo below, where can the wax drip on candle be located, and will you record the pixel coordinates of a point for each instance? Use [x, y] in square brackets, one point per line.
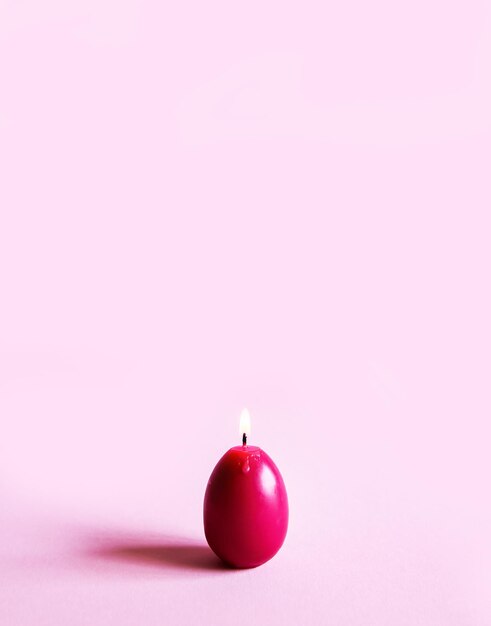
[246, 467]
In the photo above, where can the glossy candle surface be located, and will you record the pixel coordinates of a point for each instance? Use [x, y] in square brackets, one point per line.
[245, 508]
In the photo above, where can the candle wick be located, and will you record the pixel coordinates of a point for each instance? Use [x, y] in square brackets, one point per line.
[244, 439]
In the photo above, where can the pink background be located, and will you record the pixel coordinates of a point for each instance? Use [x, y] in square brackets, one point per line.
[279, 205]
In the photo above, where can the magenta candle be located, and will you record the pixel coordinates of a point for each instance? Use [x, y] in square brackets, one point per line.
[246, 507]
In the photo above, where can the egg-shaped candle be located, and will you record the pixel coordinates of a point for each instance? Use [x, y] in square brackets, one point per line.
[246, 507]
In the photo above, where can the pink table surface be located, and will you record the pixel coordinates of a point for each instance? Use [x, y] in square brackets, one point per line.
[205, 206]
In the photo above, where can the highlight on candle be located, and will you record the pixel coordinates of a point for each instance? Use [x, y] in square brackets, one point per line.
[245, 425]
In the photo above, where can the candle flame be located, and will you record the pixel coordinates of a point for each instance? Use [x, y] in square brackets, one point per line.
[245, 423]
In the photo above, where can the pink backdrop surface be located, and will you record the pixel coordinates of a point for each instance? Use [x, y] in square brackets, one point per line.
[284, 206]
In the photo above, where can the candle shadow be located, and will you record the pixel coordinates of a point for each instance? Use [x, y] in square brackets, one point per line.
[166, 554]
